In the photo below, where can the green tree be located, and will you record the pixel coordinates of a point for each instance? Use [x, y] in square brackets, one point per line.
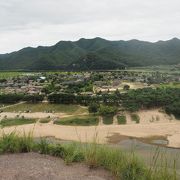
[93, 108]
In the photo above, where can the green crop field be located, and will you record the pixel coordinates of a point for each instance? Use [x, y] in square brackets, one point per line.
[47, 107]
[78, 121]
[16, 122]
[170, 85]
[4, 75]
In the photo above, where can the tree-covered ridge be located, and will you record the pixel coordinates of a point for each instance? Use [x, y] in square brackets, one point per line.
[93, 54]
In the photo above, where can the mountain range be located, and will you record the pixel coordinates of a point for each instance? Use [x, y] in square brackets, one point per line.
[93, 54]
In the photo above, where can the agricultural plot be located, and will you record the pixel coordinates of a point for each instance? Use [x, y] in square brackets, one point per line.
[47, 107]
[5, 75]
[78, 121]
[16, 122]
[170, 85]
[44, 121]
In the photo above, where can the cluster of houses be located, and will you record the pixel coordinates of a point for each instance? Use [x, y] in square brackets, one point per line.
[101, 81]
[25, 85]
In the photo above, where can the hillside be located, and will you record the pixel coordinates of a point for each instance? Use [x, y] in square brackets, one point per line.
[92, 54]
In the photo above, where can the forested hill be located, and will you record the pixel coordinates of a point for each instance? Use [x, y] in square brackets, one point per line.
[93, 54]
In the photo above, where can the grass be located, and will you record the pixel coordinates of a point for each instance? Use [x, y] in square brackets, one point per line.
[108, 120]
[170, 85]
[16, 122]
[78, 121]
[135, 118]
[44, 120]
[121, 119]
[4, 105]
[47, 107]
[123, 165]
[4, 75]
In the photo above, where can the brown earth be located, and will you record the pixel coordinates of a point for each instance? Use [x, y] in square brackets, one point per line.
[33, 166]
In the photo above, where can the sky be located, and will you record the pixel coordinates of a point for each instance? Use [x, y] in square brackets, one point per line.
[32, 23]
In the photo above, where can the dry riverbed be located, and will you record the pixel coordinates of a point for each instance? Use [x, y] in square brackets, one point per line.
[153, 123]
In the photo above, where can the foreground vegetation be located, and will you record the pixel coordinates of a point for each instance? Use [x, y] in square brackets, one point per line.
[124, 166]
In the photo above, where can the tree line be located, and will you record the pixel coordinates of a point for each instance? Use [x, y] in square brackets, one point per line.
[132, 100]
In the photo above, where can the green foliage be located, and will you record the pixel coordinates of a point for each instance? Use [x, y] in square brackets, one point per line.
[123, 165]
[108, 120]
[57, 150]
[121, 119]
[9, 143]
[26, 142]
[16, 122]
[73, 153]
[93, 108]
[167, 98]
[108, 110]
[126, 87]
[93, 54]
[43, 146]
[78, 121]
[174, 108]
[34, 98]
[44, 120]
[47, 107]
[13, 143]
[11, 98]
[135, 118]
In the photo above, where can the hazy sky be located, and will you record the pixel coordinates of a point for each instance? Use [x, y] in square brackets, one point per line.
[45, 22]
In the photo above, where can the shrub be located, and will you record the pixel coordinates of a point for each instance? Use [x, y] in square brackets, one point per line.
[121, 119]
[73, 153]
[9, 143]
[135, 118]
[57, 150]
[26, 143]
[43, 146]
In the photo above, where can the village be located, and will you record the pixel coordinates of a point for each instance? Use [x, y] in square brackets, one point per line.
[87, 83]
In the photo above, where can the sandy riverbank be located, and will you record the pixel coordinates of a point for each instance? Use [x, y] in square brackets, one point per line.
[101, 133]
[152, 123]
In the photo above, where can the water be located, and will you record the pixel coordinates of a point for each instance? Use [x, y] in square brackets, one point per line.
[148, 151]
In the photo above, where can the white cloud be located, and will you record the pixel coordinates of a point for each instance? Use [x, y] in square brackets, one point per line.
[44, 22]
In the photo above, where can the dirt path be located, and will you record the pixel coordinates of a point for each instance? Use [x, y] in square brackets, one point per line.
[34, 166]
[115, 121]
[100, 120]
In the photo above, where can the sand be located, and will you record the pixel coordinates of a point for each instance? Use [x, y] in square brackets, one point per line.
[164, 125]
[100, 133]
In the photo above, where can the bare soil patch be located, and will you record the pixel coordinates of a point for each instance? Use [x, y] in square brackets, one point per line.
[43, 167]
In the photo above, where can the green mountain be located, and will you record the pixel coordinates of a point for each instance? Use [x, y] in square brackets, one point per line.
[92, 54]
